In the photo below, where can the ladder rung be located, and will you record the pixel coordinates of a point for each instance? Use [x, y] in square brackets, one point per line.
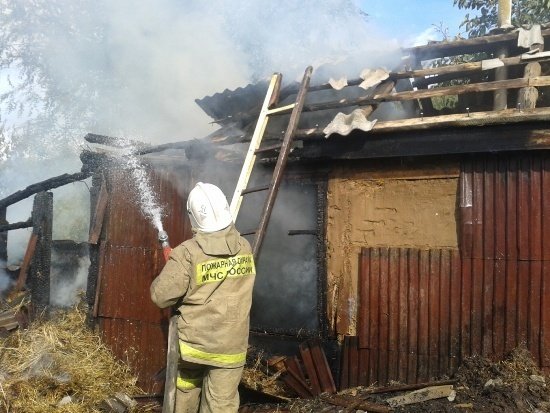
[267, 148]
[255, 189]
[281, 109]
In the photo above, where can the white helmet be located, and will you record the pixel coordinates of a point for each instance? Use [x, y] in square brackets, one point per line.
[208, 208]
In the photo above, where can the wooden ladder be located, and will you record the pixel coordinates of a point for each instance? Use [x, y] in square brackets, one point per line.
[271, 99]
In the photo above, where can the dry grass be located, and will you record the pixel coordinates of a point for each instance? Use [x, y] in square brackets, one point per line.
[58, 358]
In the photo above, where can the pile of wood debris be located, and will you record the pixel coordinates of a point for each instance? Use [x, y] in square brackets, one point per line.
[59, 365]
[512, 385]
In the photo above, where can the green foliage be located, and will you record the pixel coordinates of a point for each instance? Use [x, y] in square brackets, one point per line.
[485, 16]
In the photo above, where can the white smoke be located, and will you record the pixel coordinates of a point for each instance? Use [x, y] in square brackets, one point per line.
[66, 287]
[134, 69]
[5, 280]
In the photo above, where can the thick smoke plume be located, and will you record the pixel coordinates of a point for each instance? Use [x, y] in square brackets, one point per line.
[133, 69]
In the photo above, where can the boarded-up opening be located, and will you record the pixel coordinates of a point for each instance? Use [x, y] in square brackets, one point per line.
[409, 207]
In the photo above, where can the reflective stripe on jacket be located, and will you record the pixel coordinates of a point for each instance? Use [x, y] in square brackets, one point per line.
[210, 277]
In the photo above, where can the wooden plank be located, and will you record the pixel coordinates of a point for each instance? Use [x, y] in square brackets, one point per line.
[393, 314]
[298, 381]
[363, 305]
[403, 312]
[309, 365]
[45, 185]
[462, 46]
[457, 120]
[99, 213]
[292, 365]
[296, 385]
[353, 404]
[27, 260]
[423, 313]
[445, 297]
[537, 81]
[383, 317]
[434, 294]
[459, 70]
[455, 292]
[322, 368]
[413, 315]
[408, 387]
[421, 395]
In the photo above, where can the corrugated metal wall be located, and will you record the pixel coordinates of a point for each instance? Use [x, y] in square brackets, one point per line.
[130, 258]
[422, 311]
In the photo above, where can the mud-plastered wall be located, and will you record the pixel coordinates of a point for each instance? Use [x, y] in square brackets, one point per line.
[392, 205]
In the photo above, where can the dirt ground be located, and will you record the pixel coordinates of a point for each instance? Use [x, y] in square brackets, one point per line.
[512, 385]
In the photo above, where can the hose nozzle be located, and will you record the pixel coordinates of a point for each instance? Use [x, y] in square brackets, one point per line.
[163, 237]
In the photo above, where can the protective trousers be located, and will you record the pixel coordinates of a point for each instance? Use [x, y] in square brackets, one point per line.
[207, 389]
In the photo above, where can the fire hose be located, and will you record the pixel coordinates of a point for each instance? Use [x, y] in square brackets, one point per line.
[172, 354]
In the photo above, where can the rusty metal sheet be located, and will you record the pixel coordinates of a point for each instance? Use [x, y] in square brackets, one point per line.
[138, 343]
[132, 326]
[428, 309]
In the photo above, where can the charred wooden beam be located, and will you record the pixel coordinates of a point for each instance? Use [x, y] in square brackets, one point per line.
[432, 142]
[355, 403]
[16, 225]
[46, 185]
[450, 72]
[96, 223]
[408, 387]
[429, 93]
[27, 260]
[508, 116]
[466, 46]
[3, 236]
[39, 282]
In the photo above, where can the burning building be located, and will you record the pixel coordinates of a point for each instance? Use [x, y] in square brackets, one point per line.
[410, 230]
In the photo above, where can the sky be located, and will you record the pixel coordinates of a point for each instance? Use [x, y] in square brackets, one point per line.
[413, 22]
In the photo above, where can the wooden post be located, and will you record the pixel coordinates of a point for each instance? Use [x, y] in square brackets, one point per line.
[500, 100]
[527, 96]
[94, 250]
[3, 237]
[39, 280]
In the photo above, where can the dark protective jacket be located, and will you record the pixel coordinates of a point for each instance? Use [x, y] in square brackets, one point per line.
[210, 277]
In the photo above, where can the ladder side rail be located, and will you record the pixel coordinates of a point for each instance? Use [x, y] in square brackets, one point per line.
[273, 90]
[281, 162]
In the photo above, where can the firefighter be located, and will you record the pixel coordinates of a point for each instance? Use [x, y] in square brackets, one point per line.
[210, 278]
